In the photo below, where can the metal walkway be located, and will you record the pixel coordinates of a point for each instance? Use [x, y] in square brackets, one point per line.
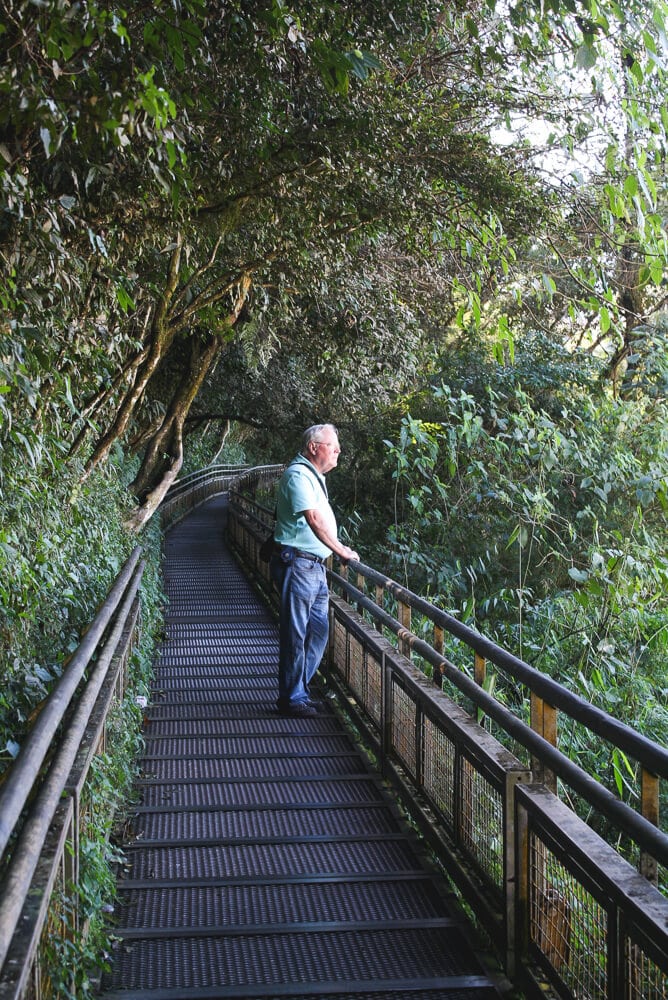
[265, 859]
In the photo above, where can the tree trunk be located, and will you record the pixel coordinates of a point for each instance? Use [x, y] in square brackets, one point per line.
[139, 440]
[228, 427]
[629, 297]
[162, 335]
[167, 442]
[164, 455]
[98, 401]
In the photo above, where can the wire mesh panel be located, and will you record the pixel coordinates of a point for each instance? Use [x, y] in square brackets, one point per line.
[357, 679]
[595, 925]
[355, 654]
[404, 715]
[567, 924]
[481, 821]
[439, 770]
[62, 915]
[338, 648]
[644, 979]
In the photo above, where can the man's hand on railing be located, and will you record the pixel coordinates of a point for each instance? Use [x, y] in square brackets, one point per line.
[347, 554]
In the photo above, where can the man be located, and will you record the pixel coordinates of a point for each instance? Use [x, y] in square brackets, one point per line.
[306, 535]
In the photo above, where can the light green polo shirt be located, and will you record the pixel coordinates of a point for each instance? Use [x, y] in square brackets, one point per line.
[302, 488]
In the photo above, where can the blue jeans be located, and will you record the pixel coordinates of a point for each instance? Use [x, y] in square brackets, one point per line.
[303, 626]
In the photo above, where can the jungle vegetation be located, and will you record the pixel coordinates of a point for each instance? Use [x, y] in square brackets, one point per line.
[440, 225]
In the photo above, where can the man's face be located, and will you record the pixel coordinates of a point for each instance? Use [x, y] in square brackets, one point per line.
[325, 452]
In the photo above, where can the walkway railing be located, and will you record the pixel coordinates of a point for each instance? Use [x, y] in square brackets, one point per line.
[558, 902]
[43, 800]
[193, 489]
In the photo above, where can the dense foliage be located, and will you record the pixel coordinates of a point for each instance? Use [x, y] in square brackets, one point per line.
[440, 225]
[538, 512]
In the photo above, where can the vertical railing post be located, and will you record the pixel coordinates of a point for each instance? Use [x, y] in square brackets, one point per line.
[439, 645]
[385, 712]
[419, 748]
[522, 919]
[330, 654]
[480, 676]
[514, 856]
[380, 601]
[649, 800]
[343, 571]
[405, 619]
[544, 722]
[361, 584]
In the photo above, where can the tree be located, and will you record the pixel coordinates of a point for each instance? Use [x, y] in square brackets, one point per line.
[143, 191]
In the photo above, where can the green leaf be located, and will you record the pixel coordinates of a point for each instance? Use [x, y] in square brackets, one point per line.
[657, 272]
[585, 57]
[617, 772]
[362, 63]
[631, 186]
[549, 284]
[604, 319]
[124, 299]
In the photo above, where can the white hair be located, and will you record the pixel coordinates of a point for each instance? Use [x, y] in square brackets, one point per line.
[314, 433]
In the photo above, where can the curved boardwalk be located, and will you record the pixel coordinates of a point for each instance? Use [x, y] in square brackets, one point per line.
[265, 859]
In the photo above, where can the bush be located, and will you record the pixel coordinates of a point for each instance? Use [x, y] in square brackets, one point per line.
[62, 544]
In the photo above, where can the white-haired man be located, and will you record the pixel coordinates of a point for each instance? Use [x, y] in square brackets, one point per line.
[306, 535]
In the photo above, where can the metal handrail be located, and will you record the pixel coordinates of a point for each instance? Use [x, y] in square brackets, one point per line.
[21, 778]
[648, 753]
[645, 834]
[522, 858]
[201, 475]
[197, 487]
[34, 786]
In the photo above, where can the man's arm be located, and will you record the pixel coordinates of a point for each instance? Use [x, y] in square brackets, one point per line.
[320, 529]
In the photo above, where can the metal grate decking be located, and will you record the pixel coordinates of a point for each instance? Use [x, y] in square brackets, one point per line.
[265, 859]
